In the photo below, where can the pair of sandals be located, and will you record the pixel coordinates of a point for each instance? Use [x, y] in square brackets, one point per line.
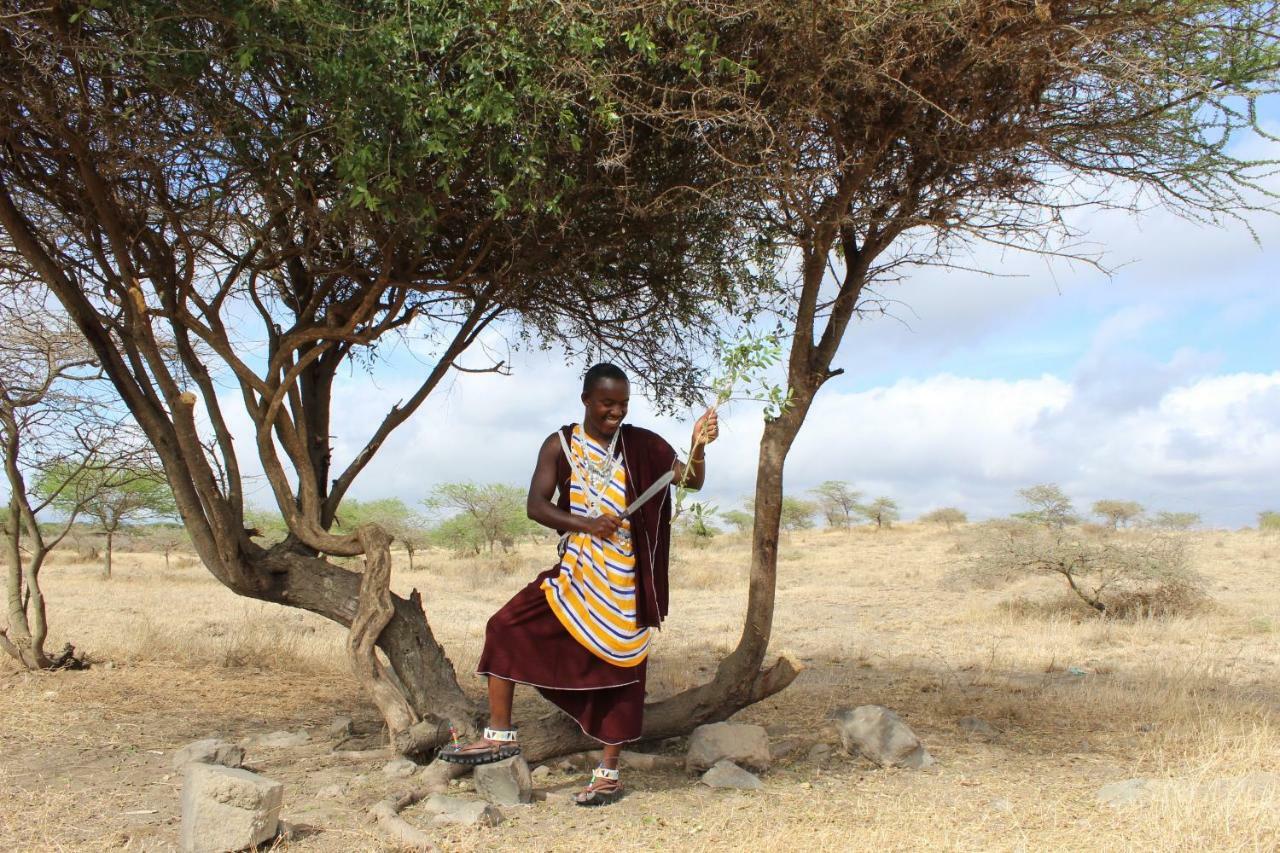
[499, 744]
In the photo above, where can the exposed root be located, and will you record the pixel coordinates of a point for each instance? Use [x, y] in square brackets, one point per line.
[386, 813]
[373, 611]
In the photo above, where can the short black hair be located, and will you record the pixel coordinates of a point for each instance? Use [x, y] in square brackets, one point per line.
[600, 371]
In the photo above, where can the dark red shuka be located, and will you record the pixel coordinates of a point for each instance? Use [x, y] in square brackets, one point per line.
[525, 642]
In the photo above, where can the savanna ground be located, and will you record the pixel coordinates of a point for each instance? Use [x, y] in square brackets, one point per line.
[875, 617]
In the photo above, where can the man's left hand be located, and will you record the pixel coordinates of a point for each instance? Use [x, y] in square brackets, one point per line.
[707, 428]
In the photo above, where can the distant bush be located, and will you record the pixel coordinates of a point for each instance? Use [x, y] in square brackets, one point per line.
[1118, 513]
[742, 521]
[948, 515]
[1126, 577]
[1269, 520]
[1176, 520]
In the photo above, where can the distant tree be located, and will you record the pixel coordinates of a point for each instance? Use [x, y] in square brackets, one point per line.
[742, 521]
[1118, 513]
[392, 514]
[496, 511]
[113, 498]
[460, 533]
[948, 515]
[267, 524]
[1176, 520]
[838, 501]
[167, 538]
[797, 514]
[1047, 505]
[882, 512]
[1269, 520]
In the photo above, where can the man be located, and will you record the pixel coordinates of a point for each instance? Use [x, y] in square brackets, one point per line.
[580, 632]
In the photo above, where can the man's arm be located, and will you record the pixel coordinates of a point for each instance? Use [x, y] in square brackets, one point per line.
[542, 487]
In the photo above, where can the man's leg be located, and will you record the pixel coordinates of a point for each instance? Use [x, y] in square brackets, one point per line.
[501, 694]
[611, 753]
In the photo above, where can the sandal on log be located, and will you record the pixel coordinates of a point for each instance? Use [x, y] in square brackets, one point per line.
[604, 790]
[495, 745]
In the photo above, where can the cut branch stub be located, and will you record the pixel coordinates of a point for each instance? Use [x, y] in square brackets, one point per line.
[373, 611]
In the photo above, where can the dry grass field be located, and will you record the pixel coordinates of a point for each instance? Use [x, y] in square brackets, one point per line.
[1079, 702]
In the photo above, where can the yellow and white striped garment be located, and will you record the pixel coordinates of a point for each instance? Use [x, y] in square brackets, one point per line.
[594, 595]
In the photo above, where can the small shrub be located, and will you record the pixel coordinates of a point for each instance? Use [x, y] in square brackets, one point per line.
[947, 515]
[1118, 577]
[1269, 521]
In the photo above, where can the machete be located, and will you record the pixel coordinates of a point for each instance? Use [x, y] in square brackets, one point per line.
[658, 485]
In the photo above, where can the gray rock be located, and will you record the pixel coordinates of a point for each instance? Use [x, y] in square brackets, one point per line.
[399, 768]
[978, 727]
[882, 736]
[336, 791]
[209, 751]
[726, 774]
[1262, 788]
[541, 773]
[466, 812]
[227, 809]
[507, 782]
[820, 752]
[744, 745]
[781, 749]
[340, 728]
[280, 739]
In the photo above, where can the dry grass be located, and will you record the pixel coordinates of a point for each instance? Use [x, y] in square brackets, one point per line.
[1191, 696]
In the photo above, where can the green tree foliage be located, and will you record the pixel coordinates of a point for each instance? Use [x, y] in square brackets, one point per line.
[741, 521]
[838, 501]
[1170, 520]
[394, 516]
[480, 514]
[797, 514]
[1047, 505]
[112, 498]
[947, 515]
[1269, 520]
[1118, 513]
[882, 512]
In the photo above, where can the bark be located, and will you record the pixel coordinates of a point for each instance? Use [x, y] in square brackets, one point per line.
[106, 557]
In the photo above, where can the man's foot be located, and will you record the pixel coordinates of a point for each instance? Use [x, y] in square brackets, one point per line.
[495, 745]
[605, 789]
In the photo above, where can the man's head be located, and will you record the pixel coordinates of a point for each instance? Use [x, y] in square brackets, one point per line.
[605, 393]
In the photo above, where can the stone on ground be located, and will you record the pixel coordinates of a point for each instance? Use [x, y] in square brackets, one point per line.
[882, 736]
[280, 739]
[819, 752]
[340, 728]
[336, 791]
[1262, 788]
[540, 773]
[210, 750]
[507, 782]
[726, 774]
[978, 727]
[226, 809]
[466, 812]
[399, 768]
[743, 744]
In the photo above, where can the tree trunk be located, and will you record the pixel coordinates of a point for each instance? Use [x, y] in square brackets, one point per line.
[106, 560]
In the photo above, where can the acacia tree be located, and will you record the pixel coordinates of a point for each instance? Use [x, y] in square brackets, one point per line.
[1047, 505]
[321, 177]
[1117, 513]
[879, 135]
[111, 496]
[392, 515]
[839, 502]
[50, 419]
[484, 514]
[882, 512]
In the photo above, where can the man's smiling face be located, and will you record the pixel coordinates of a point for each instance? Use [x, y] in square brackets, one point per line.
[606, 404]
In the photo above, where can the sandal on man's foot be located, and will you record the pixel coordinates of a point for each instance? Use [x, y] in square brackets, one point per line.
[604, 790]
[495, 745]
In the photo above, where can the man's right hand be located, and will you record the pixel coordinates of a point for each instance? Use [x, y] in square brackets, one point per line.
[604, 526]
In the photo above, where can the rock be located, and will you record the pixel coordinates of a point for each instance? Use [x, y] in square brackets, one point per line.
[336, 791]
[978, 728]
[882, 736]
[437, 775]
[226, 809]
[280, 739]
[820, 752]
[541, 773]
[1262, 788]
[784, 747]
[466, 812]
[399, 768]
[507, 782]
[744, 745]
[340, 728]
[210, 750]
[726, 774]
[649, 761]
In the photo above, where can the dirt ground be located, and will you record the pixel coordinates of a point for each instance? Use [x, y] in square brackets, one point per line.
[875, 617]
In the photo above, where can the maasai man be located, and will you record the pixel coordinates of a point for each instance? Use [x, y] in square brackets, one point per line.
[580, 632]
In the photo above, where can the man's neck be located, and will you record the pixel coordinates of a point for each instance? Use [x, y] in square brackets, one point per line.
[602, 439]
